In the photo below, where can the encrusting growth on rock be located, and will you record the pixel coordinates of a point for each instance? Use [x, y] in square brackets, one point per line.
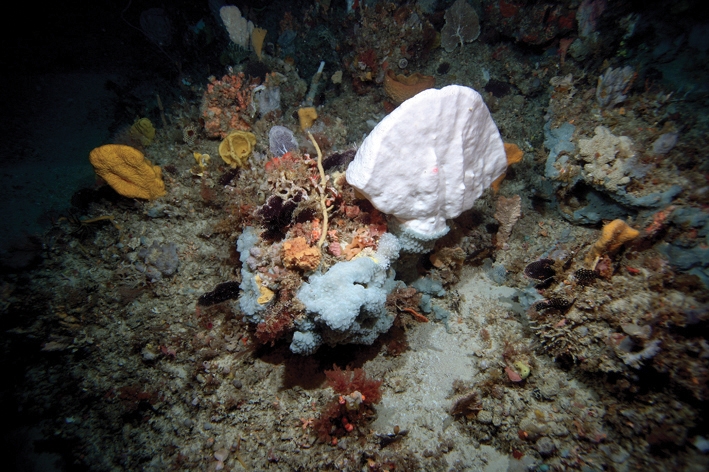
[613, 236]
[298, 254]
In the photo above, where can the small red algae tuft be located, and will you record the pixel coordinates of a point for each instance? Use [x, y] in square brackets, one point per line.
[352, 406]
[348, 381]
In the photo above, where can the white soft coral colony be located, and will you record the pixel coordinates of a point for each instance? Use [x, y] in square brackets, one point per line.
[430, 159]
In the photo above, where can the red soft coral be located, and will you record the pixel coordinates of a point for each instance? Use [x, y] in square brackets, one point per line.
[274, 326]
[352, 406]
[347, 381]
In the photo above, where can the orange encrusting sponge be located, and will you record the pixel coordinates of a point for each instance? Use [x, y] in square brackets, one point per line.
[613, 236]
[514, 155]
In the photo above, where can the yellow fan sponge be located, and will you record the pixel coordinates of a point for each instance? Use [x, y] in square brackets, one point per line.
[237, 147]
[143, 131]
[127, 171]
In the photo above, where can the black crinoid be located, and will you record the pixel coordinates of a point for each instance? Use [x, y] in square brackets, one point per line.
[277, 214]
[221, 293]
[542, 271]
[339, 159]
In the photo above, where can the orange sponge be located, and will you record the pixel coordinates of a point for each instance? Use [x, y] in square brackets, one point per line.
[514, 155]
[298, 255]
[307, 117]
[613, 236]
[127, 171]
[400, 87]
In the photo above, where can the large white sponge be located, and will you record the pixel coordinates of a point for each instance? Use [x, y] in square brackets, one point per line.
[430, 159]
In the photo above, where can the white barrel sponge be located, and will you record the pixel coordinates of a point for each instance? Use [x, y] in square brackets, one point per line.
[430, 159]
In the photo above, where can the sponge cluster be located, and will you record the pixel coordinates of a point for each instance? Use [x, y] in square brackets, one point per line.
[346, 304]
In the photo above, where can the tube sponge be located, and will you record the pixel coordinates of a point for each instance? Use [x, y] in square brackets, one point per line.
[430, 159]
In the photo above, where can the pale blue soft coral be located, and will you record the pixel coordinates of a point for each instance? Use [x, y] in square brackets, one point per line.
[347, 304]
[305, 342]
[249, 288]
[412, 241]
[338, 295]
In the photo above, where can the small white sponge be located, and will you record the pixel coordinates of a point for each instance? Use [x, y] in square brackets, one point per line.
[430, 159]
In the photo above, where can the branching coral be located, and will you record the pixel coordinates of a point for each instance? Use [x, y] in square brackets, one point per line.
[462, 26]
[321, 189]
